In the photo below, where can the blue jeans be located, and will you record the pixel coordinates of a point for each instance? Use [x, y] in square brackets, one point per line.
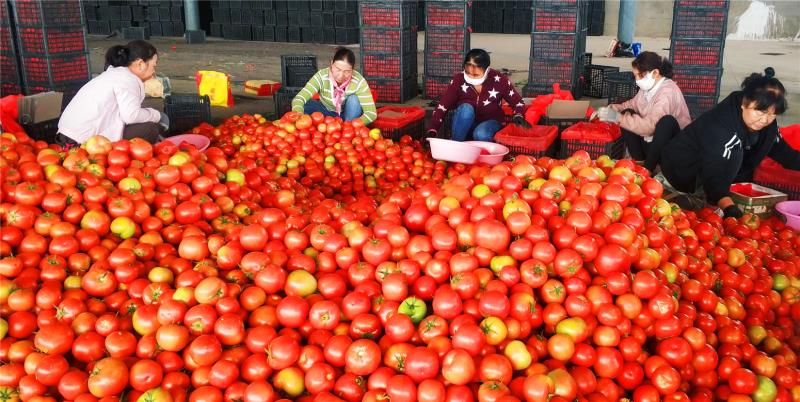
[351, 109]
[464, 122]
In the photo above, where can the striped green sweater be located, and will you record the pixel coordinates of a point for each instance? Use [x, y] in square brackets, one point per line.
[320, 83]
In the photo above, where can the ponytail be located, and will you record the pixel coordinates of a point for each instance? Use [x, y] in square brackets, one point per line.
[124, 55]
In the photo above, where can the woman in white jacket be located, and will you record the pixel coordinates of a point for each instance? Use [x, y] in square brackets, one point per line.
[111, 103]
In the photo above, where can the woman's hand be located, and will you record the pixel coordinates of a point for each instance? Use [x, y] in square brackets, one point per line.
[164, 121]
[519, 120]
[608, 114]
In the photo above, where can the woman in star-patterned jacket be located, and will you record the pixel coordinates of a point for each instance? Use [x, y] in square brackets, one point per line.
[475, 95]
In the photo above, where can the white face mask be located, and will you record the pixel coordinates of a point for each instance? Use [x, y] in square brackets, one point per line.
[647, 82]
[476, 81]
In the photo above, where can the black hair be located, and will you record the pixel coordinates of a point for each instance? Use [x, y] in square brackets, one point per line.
[125, 55]
[479, 57]
[345, 54]
[766, 91]
[649, 61]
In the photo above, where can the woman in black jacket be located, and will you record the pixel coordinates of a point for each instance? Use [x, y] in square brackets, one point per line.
[727, 143]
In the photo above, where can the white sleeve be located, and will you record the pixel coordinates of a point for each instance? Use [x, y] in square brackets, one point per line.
[130, 107]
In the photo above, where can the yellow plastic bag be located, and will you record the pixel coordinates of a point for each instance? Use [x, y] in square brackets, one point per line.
[216, 85]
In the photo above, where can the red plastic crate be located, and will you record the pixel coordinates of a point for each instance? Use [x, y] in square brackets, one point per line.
[47, 12]
[434, 86]
[697, 52]
[398, 15]
[719, 4]
[389, 65]
[443, 63]
[58, 40]
[553, 46]
[55, 68]
[536, 141]
[388, 40]
[397, 121]
[444, 13]
[592, 132]
[699, 23]
[555, 20]
[446, 39]
[698, 81]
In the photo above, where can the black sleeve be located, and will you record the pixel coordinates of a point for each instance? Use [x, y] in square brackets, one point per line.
[784, 154]
[721, 160]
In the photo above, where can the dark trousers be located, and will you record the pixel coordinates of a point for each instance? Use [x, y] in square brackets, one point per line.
[650, 152]
[147, 131]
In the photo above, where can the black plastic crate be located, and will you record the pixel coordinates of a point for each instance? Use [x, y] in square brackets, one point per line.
[394, 91]
[47, 12]
[389, 65]
[250, 17]
[89, 13]
[447, 39]
[621, 87]
[270, 17]
[699, 104]
[315, 20]
[565, 20]
[699, 23]
[304, 18]
[561, 4]
[443, 63]
[293, 19]
[236, 15]
[699, 4]
[328, 35]
[281, 18]
[346, 36]
[42, 131]
[328, 19]
[522, 22]
[705, 53]
[400, 14]
[508, 20]
[257, 32]
[280, 34]
[434, 86]
[615, 149]
[542, 72]
[136, 33]
[283, 100]
[138, 14]
[346, 5]
[562, 124]
[125, 13]
[280, 5]
[69, 89]
[269, 34]
[315, 5]
[155, 29]
[388, 40]
[152, 15]
[698, 81]
[328, 5]
[164, 14]
[297, 69]
[555, 46]
[293, 34]
[216, 29]
[186, 111]
[51, 39]
[307, 34]
[54, 69]
[102, 28]
[448, 13]
[596, 80]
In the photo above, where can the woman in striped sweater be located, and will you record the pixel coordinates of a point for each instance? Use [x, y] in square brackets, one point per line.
[343, 92]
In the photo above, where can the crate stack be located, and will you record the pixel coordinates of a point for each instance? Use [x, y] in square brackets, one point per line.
[10, 81]
[296, 21]
[51, 46]
[296, 70]
[447, 41]
[698, 40]
[151, 17]
[558, 45]
[389, 48]
[492, 16]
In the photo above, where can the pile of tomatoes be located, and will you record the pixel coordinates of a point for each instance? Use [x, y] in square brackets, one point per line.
[310, 259]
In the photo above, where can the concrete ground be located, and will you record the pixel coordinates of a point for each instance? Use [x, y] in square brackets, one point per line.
[261, 60]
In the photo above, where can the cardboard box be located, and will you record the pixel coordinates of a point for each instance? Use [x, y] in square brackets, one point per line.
[755, 199]
[567, 109]
[39, 107]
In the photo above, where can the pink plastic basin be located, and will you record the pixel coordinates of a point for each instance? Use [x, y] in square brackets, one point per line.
[790, 210]
[496, 152]
[453, 151]
[200, 142]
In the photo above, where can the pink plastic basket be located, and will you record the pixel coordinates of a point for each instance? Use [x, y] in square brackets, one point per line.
[200, 142]
[496, 152]
[791, 211]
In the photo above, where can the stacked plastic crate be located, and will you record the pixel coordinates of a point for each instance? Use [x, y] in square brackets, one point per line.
[698, 40]
[447, 33]
[10, 83]
[296, 70]
[558, 44]
[389, 48]
[51, 43]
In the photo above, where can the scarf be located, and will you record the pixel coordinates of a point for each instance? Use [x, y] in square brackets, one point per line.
[337, 93]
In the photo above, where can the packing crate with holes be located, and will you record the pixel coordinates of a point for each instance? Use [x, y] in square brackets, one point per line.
[535, 141]
[755, 199]
[771, 174]
[596, 138]
[397, 121]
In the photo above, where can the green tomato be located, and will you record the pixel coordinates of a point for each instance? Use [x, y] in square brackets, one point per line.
[780, 282]
[123, 227]
[235, 175]
[414, 308]
[766, 391]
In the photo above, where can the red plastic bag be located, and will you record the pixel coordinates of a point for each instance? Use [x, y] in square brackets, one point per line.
[592, 132]
[9, 113]
[539, 105]
[792, 135]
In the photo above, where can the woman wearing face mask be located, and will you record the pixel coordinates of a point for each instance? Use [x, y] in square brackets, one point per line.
[111, 103]
[654, 115]
[727, 143]
[343, 92]
[475, 94]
